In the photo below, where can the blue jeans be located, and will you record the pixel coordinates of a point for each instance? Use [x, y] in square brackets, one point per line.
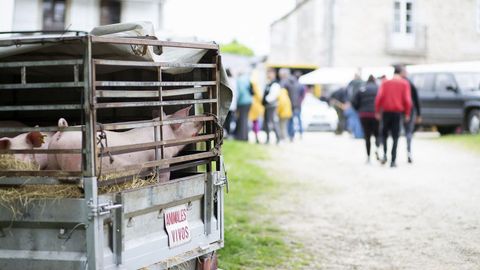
[353, 123]
[297, 114]
[409, 129]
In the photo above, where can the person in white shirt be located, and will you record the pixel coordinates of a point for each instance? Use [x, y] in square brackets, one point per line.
[270, 101]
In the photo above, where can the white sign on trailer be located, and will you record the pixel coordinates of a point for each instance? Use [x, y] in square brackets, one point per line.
[176, 224]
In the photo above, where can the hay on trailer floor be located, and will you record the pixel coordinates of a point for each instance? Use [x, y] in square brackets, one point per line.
[18, 198]
[9, 162]
[67, 191]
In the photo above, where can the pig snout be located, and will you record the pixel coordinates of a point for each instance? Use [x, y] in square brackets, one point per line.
[62, 123]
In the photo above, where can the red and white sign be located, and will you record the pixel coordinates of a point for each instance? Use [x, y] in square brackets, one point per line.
[176, 223]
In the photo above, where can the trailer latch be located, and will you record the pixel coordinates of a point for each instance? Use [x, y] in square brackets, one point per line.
[103, 208]
[222, 178]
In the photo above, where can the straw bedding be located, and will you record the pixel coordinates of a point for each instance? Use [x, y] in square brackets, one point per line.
[25, 195]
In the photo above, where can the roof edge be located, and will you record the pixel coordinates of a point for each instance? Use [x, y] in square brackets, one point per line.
[299, 5]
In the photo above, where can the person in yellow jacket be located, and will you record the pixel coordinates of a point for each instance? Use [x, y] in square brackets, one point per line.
[284, 111]
[256, 110]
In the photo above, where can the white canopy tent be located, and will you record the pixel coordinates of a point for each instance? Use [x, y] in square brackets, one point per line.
[335, 76]
[343, 75]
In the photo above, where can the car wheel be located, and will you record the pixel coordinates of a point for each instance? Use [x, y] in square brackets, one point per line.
[446, 130]
[474, 121]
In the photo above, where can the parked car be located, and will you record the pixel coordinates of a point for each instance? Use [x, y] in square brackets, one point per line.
[449, 97]
[317, 115]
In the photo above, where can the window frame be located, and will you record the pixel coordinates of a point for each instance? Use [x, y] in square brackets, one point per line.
[51, 26]
[448, 74]
[428, 82]
[108, 4]
[401, 24]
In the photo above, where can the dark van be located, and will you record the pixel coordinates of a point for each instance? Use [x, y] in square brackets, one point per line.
[449, 98]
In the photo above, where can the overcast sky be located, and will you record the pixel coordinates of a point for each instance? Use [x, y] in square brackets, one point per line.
[248, 21]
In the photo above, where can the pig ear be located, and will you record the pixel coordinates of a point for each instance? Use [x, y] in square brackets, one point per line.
[35, 138]
[183, 112]
[5, 143]
[180, 113]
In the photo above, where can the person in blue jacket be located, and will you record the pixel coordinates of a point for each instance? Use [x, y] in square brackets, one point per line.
[244, 101]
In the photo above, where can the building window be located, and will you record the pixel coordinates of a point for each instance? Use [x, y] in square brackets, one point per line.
[110, 11]
[53, 14]
[403, 16]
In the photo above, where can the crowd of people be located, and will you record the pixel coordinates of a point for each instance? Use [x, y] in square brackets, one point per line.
[377, 108]
[275, 109]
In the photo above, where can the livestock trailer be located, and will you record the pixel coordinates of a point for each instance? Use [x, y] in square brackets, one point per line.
[115, 78]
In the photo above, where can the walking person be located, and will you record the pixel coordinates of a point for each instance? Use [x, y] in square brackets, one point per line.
[415, 116]
[230, 119]
[352, 118]
[290, 82]
[364, 104]
[297, 106]
[270, 101]
[244, 101]
[338, 100]
[256, 110]
[392, 102]
[284, 112]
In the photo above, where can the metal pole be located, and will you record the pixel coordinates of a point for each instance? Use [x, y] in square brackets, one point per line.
[94, 223]
[158, 130]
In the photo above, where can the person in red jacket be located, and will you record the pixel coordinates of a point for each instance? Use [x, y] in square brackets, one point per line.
[392, 101]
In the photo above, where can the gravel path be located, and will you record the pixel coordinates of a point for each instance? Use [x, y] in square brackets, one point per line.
[351, 215]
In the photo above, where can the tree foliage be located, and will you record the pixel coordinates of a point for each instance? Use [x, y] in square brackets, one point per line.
[236, 47]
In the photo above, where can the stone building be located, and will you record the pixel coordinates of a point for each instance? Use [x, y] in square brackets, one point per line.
[18, 15]
[360, 33]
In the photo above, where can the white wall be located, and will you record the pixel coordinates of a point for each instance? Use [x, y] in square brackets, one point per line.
[80, 15]
[83, 14]
[27, 15]
[297, 39]
[452, 31]
[6, 15]
[134, 11]
[362, 33]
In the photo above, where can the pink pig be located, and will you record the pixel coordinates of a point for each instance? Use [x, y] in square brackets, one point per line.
[28, 141]
[73, 140]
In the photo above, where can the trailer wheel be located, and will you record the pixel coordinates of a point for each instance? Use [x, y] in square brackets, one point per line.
[473, 123]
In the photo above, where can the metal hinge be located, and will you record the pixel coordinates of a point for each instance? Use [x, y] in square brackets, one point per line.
[221, 178]
[102, 208]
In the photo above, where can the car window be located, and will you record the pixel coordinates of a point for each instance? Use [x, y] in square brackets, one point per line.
[443, 81]
[468, 81]
[422, 82]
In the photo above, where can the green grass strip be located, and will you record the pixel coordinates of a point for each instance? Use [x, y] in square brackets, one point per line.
[251, 240]
[471, 142]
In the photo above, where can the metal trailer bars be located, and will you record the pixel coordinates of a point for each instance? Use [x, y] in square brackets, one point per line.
[95, 91]
[205, 93]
